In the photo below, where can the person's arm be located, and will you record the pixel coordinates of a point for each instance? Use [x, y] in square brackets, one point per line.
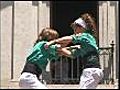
[67, 51]
[56, 48]
[64, 52]
[64, 41]
[73, 47]
[49, 43]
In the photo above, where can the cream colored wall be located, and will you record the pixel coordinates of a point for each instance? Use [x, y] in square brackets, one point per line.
[25, 30]
[5, 42]
[27, 25]
[25, 33]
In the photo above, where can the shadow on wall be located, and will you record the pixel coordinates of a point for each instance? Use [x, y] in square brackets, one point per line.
[47, 3]
[35, 3]
[4, 4]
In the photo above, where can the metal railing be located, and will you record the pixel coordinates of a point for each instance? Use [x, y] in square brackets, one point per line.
[107, 64]
[68, 71]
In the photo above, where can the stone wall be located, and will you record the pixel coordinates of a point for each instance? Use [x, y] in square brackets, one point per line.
[20, 23]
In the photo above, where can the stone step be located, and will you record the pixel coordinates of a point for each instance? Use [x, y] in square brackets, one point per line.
[14, 85]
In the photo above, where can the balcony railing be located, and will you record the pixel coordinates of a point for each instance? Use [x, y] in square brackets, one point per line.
[68, 71]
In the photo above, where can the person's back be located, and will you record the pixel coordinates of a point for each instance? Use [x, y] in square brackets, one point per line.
[85, 35]
[40, 55]
[88, 48]
[92, 73]
[36, 61]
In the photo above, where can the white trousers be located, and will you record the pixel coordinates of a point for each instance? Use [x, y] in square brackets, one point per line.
[30, 81]
[90, 78]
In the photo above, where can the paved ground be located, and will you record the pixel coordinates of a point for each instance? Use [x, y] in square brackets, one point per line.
[76, 87]
[14, 85]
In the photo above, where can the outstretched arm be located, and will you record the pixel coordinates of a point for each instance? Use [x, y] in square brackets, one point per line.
[67, 51]
[56, 48]
[64, 52]
[64, 41]
[73, 47]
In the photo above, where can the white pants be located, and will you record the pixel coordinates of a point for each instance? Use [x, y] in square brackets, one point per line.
[90, 78]
[30, 81]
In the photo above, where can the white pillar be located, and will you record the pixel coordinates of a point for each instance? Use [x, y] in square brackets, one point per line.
[44, 14]
[107, 27]
[25, 33]
[5, 41]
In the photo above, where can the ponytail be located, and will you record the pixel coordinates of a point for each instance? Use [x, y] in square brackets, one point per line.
[90, 23]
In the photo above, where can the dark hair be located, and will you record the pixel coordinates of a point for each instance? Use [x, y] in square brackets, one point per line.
[91, 24]
[47, 34]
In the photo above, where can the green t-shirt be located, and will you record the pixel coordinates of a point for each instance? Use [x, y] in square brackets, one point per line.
[40, 56]
[87, 42]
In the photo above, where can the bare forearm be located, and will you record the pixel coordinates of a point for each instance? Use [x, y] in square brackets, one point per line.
[67, 51]
[64, 52]
[64, 39]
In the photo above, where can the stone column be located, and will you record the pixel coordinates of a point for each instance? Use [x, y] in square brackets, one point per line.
[5, 41]
[107, 27]
[25, 33]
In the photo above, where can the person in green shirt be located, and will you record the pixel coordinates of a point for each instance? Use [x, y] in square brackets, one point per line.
[88, 53]
[37, 59]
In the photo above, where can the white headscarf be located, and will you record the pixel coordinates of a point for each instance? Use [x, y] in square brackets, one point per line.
[81, 22]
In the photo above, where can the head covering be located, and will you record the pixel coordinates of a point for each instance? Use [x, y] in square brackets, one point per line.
[80, 22]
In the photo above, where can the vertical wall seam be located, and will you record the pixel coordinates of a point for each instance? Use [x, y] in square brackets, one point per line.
[12, 43]
[37, 18]
[0, 41]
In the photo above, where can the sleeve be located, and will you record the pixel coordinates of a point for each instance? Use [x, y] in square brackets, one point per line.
[53, 52]
[52, 49]
[76, 39]
[80, 38]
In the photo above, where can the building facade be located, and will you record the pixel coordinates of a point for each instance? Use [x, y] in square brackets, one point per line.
[21, 21]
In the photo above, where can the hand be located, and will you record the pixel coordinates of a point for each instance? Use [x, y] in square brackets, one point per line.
[46, 46]
[64, 44]
[49, 43]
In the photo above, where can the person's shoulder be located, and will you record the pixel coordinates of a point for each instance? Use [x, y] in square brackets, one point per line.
[83, 34]
[40, 43]
[80, 34]
[87, 35]
[43, 41]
